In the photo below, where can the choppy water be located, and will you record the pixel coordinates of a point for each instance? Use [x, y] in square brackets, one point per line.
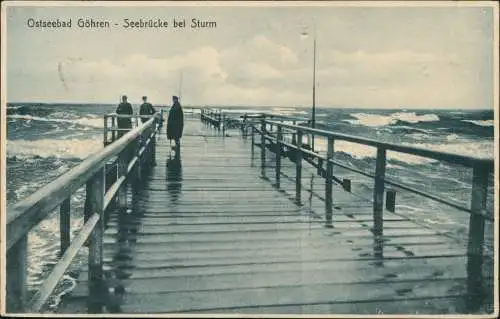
[45, 140]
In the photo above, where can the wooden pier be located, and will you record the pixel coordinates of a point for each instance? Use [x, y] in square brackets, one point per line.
[242, 222]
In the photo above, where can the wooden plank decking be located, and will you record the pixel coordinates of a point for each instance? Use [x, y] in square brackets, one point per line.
[210, 234]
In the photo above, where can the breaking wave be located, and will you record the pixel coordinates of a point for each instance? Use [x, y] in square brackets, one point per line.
[67, 118]
[67, 148]
[376, 120]
[480, 122]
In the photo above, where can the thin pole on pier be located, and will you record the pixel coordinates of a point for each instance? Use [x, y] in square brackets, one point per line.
[153, 144]
[328, 183]
[16, 271]
[113, 126]
[298, 168]
[262, 145]
[278, 155]
[122, 172]
[253, 139]
[95, 261]
[378, 193]
[476, 237]
[313, 123]
[105, 131]
[64, 225]
[138, 165]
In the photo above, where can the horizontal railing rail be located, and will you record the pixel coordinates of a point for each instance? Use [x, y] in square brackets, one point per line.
[412, 150]
[273, 131]
[276, 116]
[130, 153]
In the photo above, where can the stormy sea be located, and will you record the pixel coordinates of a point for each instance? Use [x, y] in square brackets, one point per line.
[46, 140]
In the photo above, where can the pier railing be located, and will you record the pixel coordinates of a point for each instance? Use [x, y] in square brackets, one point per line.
[131, 153]
[111, 130]
[274, 131]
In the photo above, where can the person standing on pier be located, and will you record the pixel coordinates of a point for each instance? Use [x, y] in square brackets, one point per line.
[175, 123]
[124, 108]
[146, 109]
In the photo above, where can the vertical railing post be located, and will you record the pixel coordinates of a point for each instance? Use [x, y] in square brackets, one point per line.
[253, 139]
[114, 127]
[378, 193]
[328, 183]
[476, 237]
[16, 272]
[64, 225]
[105, 131]
[153, 143]
[123, 158]
[138, 165]
[95, 260]
[223, 125]
[262, 145]
[298, 169]
[245, 126]
[278, 155]
[390, 200]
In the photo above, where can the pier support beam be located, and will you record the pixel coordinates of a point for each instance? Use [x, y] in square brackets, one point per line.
[278, 156]
[346, 184]
[95, 261]
[64, 225]
[122, 172]
[378, 201]
[105, 131]
[476, 238]
[253, 140]
[328, 184]
[16, 271]
[263, 146]
[390, 200]
[298, 169]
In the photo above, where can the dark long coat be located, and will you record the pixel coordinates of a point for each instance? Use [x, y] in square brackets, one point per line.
[124, 109]
[175, 122]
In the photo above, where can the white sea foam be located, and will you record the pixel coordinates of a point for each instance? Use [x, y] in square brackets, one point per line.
[419, 136]
[452, 137]
[286, 111]
[481, 122]
[68, 148]
[86, 121]
[473, 148]
[376, 120]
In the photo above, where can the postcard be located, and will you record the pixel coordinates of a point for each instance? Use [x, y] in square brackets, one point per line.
[250, 159]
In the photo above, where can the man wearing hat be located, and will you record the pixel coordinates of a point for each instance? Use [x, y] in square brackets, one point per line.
[124, 108]
[146, 109]
[175, 123]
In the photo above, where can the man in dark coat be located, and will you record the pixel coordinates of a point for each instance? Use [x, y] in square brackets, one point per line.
[146, 109]
[175, 122]
[124, 108]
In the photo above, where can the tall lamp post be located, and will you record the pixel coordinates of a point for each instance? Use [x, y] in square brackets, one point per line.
[313, 115]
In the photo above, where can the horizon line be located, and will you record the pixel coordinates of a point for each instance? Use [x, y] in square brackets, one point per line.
[263, 106]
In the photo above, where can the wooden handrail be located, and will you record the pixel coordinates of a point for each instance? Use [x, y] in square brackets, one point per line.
[412, 150]
[26, 214]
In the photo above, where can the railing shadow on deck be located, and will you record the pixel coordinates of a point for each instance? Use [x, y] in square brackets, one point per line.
[105, 176]
[272, 128]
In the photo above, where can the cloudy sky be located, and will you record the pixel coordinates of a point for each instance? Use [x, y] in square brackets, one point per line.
[386, 56]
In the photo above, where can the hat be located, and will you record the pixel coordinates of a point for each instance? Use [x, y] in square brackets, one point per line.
[175, 97]
[144, 97]
[124, 96]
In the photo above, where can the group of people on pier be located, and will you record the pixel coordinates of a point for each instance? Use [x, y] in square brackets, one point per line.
[175, 121]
